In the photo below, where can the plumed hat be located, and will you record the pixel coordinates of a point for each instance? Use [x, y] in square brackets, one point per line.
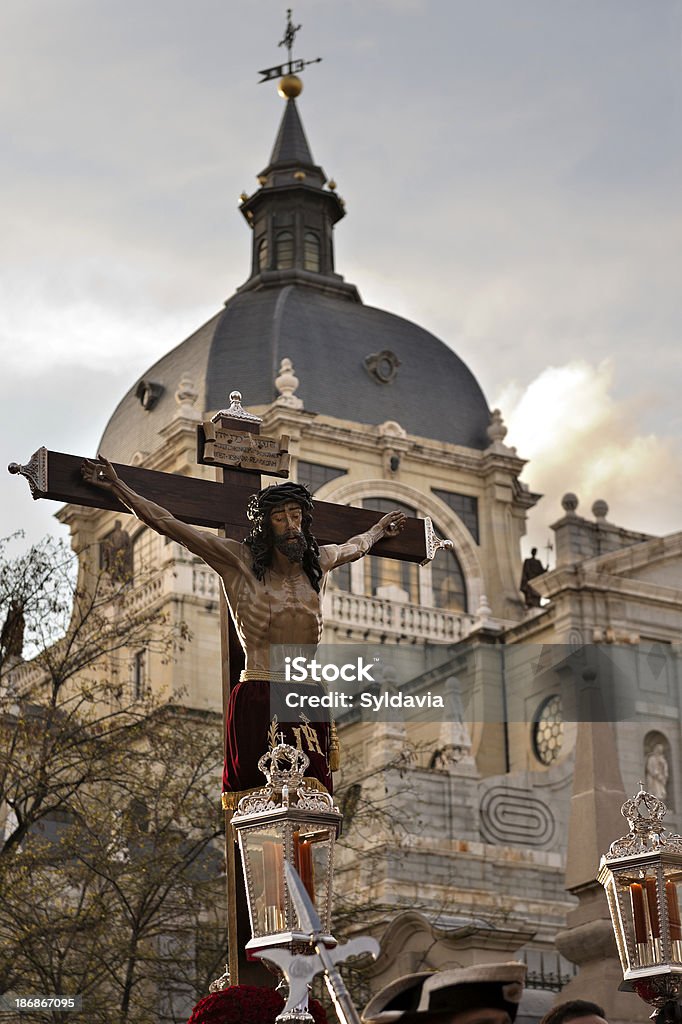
[494, 986]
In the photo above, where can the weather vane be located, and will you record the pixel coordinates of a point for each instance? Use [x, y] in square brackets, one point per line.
[292, 67]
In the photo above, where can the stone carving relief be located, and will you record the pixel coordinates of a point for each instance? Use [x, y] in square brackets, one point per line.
[382, 366]
[514, 816]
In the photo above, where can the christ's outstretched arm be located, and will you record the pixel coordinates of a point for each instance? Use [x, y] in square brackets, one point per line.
[216, 551]
[332, 555]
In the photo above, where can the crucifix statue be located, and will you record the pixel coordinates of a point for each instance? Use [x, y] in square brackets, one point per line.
[273, 570]
[274, 582]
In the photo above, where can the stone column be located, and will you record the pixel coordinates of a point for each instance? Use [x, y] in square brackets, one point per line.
[595, 821]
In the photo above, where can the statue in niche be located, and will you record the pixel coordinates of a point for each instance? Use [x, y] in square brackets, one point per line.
[657, 772]
[117, 554]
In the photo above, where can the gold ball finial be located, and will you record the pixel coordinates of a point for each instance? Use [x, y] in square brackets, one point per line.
[290, 87]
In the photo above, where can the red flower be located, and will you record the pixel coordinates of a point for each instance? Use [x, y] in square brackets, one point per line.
[246, 1004]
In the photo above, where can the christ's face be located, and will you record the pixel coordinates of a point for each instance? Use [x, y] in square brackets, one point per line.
[285, 522]
[286, 519]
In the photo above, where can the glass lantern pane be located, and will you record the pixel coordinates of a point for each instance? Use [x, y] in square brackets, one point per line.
[645, 922]
[673, 897]
[312, 860]
[322, 857]
[616, 919]
[649, 910]
[263, 858]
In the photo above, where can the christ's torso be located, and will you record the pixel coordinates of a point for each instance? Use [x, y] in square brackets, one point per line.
[279, 609]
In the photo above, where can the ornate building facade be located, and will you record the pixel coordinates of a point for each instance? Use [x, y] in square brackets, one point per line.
[382, 414]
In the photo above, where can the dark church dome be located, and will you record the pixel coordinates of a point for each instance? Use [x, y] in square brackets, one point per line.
[353, 361]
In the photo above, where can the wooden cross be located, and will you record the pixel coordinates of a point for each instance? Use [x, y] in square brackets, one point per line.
[222, 505]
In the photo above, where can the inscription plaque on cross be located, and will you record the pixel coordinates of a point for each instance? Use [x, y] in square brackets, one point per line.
[275, 592]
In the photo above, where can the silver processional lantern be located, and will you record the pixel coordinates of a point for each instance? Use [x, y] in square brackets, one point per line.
[642, 876]
[286, 821]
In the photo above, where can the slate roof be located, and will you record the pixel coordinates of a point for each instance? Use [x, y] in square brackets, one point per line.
[328, 338]
[291, 144]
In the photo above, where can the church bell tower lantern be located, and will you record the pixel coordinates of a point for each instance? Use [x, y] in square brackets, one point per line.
[293, 212]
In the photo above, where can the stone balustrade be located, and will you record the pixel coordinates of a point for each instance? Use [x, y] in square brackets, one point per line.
[205, 582]
[391, 619]
[141, 597]
[377, 617]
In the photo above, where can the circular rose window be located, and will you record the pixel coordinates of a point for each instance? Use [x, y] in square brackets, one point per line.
[548, 730]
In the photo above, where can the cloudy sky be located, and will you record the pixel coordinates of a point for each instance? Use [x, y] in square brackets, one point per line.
[512, 176]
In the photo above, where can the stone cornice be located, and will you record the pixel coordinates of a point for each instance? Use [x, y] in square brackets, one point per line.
[645, 553]
[420, 449]
[68, 513]
[537, 623]
[583, 578]
[507, 461]
[571, 519]
[304, 424]
[277, 416]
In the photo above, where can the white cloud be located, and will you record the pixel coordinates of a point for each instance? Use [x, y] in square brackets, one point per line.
[579, 438]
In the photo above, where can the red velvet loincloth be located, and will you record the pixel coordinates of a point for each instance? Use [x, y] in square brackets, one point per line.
[247, 727]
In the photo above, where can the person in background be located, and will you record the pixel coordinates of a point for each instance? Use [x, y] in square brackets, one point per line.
[576, 1009]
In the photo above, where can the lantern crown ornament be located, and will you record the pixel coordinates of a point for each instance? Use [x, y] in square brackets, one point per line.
[284, 768]
[642, 876]
[644, 813]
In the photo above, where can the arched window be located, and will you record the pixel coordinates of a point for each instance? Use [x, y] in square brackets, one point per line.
[144, 552]
[284, 250]
[311, 252]
[447, 582]
[389, 572]
[263, 254]
[314, 475]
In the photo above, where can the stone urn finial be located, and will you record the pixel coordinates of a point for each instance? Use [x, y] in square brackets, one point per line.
[600, 510]
[569, 503]
[186, 396]
[286, 383]
[497, 430]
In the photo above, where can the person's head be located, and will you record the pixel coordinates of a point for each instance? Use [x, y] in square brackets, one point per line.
[483, 994]
[281, 517]
[575, 1009]
[533, 552]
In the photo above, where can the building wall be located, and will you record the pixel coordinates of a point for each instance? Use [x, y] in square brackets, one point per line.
[481, 838]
